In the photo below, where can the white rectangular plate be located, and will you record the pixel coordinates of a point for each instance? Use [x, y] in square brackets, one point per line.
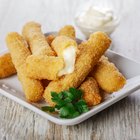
[11, 88]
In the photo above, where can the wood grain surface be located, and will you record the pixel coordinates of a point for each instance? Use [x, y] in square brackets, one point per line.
[118, 122]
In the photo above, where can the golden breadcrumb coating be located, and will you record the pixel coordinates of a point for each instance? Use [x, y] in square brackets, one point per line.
[36, 39]
[89, 55]
[19, 53]
[60, 43]
[33, 88]
[108, 76]
[7, 67]
[44, 67]
[91, 92]
[68, 31]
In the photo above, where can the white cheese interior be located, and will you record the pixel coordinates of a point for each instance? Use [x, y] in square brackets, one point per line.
[69, 55]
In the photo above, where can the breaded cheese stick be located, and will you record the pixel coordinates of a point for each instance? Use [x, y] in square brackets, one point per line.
[19, 52]
[36, 39]
[108, 76]
[89, 55]
[44, 67]
[91, 92]
[66, 48]
[68, 31]
[39, 65]
[7, 67]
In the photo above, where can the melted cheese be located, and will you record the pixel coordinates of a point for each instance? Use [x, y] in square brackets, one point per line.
[69, 55]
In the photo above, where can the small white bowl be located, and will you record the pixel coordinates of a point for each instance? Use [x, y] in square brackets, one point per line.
[87, 31]
[83, 23]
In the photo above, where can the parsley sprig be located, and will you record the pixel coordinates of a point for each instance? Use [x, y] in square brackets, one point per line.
[69, 103]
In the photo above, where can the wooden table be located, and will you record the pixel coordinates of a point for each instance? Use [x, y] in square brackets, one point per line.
[120, 121]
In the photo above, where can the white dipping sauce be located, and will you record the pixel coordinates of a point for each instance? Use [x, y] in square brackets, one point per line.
[96, 19]
[69, 55]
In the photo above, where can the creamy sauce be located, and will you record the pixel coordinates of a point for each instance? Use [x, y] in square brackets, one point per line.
[69, 55]
[97, 19]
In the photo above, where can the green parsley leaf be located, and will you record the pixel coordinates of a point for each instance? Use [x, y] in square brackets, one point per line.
[81, 106]
[57, 98]
[77, 94]
[69, 103]
[48, 108]
[53, 94]
[68, 111]
[75, 114]
[64, 112]
[68, 94]
[60, 95]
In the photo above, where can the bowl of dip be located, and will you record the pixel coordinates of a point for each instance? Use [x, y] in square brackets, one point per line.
[95, 19]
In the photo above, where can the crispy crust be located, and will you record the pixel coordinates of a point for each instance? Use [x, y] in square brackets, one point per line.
[19, 53]
[91, 93]
[44, 67]
[108, 76]
[68, 31]
[36, 39]
[7, 67]
[90, 53]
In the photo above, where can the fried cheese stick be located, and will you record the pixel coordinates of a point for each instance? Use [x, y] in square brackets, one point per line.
[44, 67]
[65, 48]
[36, 39]
[19, 53]
[7, 67]
[89, 86]
[91, 92]
[90, 53]
[42, 64]
[108, 76]
[68, 31]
